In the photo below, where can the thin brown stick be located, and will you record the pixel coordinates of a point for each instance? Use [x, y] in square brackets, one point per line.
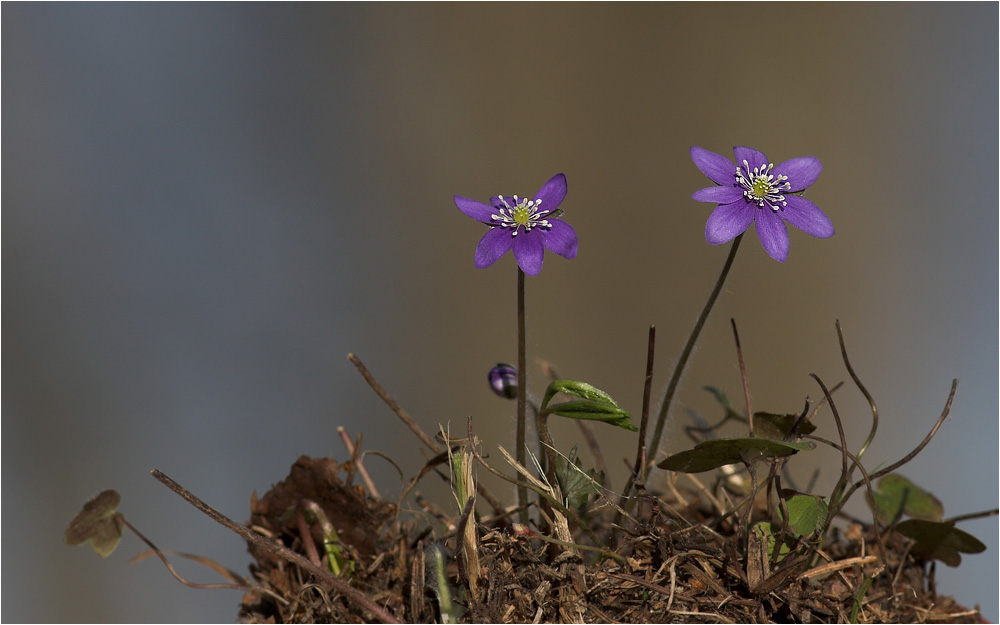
[402, 414]
[743, 375]
[639, 468]
[358, 461]
[306, 536]
[973, 515]
[833, 567]
[640, 451]
[410, 423]
[280, 550]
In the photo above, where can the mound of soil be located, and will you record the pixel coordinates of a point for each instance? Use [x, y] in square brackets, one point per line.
[680, 561]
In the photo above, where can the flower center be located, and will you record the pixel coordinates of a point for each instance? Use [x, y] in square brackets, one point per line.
[762, 187]
[517, 213]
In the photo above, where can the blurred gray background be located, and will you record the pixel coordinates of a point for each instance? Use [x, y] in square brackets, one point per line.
[208, 206]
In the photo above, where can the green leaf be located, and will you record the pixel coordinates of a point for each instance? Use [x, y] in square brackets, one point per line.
[768, 531]
[576, 488]
[578, 389]
[936, 540]
[594, 411]
[713, 454]
[896, 493]
[806, 513]
[776, 426]
[766, 424]
[98, 523]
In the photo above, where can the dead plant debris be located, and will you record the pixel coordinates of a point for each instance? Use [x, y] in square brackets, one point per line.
[688, 566]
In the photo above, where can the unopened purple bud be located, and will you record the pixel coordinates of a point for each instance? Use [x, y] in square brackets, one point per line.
[503, 380]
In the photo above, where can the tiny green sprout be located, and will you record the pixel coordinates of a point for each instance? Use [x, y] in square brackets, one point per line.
[312, 514]
[577, 485]
[98, 523]
[437, 581]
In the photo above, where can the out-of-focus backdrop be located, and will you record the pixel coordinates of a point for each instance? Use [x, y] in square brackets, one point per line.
[208, 206]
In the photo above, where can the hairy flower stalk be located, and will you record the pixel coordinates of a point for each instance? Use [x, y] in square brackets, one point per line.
[529, 227]
[752, 191]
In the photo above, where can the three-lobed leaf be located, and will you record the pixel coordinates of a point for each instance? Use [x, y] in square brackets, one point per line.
[98, 523]
[577, 485]
[778, 426]
[938, 540]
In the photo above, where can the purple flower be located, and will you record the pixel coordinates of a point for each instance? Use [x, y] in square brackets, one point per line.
[529, 226]
[754, 191]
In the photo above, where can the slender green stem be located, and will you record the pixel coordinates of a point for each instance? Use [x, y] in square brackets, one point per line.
[661, 419]
[522, 395]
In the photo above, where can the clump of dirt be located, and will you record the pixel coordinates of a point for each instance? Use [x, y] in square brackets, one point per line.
[680, 560]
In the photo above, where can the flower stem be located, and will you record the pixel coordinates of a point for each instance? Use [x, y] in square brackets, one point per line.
[661, 419]
[522, 395]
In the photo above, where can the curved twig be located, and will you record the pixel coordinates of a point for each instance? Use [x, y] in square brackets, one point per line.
[159, 554]
[892, 467]
[866, 479]
[861, 387]
[277, 549]
[844, 473]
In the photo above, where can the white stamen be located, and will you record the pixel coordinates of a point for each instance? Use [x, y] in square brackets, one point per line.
[762, 187]
[520, 213]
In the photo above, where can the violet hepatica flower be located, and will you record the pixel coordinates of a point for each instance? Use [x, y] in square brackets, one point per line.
[503, 380]
[755, 191]
[528, 226]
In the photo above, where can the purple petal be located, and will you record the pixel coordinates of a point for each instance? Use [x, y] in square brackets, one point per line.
[552, 193]
[807, 217]
[529, 252]
[801, 171]
[729, 221]
[772, 234]
[560, 238]
[718, 195]
[718, 168]
[754, 158]
[475, 209]
[492, 246]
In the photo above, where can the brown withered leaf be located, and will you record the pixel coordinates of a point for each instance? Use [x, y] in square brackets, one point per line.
[98, 523]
